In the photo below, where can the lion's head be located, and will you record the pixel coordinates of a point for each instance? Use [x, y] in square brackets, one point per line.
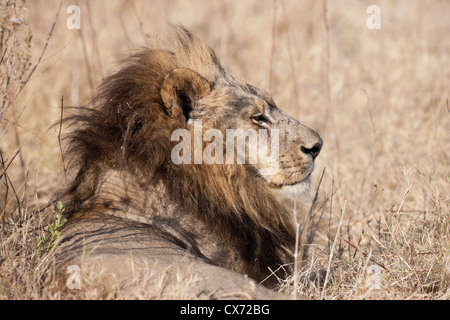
[238, 123]
[218, 148]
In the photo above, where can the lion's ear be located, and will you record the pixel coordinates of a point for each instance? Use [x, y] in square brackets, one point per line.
[181, 89]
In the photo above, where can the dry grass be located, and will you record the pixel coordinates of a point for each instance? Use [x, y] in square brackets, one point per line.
[379, 99]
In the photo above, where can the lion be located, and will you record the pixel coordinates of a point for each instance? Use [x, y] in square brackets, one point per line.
[134, 216]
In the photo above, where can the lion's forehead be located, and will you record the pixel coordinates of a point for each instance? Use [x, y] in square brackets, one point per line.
[239, 101]
[240, 97]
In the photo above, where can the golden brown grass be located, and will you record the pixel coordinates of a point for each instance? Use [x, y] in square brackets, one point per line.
[379, 99]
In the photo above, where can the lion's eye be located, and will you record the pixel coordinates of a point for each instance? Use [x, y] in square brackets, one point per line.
[261, 119]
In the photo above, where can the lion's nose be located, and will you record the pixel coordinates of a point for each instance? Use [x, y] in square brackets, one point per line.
[314, 150]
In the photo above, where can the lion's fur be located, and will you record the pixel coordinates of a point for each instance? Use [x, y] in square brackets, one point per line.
[120, 148]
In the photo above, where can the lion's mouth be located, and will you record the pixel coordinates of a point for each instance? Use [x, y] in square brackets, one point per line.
[305, 179]
[278, 186]
[297, 190]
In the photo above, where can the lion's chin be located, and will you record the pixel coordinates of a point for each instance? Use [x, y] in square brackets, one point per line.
[299, 190]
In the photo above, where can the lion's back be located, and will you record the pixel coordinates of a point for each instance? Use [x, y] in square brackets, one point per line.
[130, 260]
